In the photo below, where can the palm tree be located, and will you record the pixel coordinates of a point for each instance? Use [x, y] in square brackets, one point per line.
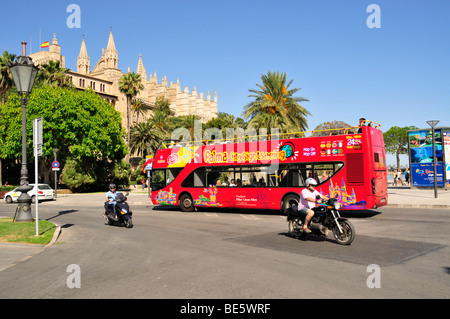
[275, 106]
[188, 122]
[143, 136]
[6, 80]
[130, 84]
[162, 122]
[231, 121]
[51, 73]
[139, 108]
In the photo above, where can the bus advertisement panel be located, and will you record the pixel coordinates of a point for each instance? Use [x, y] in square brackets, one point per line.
[271, 174]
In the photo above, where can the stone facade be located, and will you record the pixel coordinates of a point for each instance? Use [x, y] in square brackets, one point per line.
[104, 80]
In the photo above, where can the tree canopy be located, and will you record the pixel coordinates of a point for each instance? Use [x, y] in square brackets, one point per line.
[81, 126]
[275, 105]
[330, 128]
[396, 141]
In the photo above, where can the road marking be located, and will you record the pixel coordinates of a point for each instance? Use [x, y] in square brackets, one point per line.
[251, 217]
[211, 215]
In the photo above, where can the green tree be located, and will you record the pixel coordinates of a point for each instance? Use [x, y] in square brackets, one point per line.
[6, 80]
[79, 124]
[139, 108]
[51, 73]
[145, 138]
[396, 141]
[232, 121]
[130, 84]
[121, 173]
[162, 105]
[188, 122]
[330, 128]
[275, 105]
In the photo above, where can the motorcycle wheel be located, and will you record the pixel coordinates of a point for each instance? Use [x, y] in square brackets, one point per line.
[109, 221]
[128, 223]
[294, 228]
[348, 232]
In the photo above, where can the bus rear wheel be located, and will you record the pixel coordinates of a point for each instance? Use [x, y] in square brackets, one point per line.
[186, 203]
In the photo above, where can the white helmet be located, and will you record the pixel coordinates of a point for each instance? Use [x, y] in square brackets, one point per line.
[310, 181]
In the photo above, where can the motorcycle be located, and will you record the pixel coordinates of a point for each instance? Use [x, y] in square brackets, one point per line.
[326, 217]
[122, 210]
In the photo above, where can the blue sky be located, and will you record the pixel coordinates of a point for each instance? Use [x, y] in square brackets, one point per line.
[396, 75]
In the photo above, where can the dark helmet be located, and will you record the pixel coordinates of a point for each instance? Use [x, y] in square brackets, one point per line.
[112, 186]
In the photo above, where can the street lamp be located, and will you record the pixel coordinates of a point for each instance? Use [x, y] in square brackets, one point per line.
[433, 124]
[24, 73]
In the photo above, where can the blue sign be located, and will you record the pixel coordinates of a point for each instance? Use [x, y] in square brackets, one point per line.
[55, 164]
[422, 174]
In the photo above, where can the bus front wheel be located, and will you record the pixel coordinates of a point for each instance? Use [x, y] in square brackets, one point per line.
[186, 203]
[289, 201]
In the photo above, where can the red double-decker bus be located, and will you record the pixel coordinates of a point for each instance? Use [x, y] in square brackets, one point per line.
[271, 174]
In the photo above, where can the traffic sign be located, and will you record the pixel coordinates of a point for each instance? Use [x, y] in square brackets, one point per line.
[55, 164]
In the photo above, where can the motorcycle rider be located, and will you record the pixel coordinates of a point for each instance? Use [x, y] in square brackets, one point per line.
[110, 204]
[308, 201]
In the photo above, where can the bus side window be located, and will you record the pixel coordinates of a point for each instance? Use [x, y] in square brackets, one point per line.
[196, 178]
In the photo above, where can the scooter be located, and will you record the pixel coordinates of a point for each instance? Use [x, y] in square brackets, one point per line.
[122, 210]
[326, 217]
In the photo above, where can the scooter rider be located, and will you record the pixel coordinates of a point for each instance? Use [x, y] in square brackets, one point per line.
[110, 204]
[308, 201]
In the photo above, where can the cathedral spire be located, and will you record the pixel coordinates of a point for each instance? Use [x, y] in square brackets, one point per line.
[111, 46]
[111, 55]
[141, 69]
[83, 61]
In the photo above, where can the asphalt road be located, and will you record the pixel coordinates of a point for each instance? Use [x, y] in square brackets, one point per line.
[232, 254]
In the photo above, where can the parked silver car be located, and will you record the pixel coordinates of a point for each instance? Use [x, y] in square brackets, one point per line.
[45, 192]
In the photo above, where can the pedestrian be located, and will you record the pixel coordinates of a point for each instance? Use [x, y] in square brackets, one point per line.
[395, 178]
[407, 176]
[399, 178]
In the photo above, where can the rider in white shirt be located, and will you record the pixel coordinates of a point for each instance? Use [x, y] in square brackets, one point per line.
[308, 201]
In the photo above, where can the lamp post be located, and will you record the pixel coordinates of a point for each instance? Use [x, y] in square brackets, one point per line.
[433, 124]
[24, 73]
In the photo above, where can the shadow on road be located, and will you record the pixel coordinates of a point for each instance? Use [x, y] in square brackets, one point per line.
[349, 214]
[63, 212]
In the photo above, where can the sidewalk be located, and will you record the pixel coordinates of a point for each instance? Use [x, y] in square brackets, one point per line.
[402, 196]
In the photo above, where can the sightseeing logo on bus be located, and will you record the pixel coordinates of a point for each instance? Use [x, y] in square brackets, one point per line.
[259, 152]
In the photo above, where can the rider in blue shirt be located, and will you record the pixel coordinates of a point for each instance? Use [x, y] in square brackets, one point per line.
[110, 204]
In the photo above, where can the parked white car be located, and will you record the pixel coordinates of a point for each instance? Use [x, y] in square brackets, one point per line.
[45, 192]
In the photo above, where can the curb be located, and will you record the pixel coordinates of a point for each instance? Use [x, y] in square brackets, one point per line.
[418, 206]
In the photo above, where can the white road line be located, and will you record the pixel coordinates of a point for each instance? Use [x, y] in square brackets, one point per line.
[251, 217]
[211, 215]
